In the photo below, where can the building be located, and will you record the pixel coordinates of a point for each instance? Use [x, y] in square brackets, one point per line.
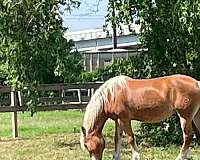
[96, 45]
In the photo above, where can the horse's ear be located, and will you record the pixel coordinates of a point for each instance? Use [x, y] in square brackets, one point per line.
[83, 130]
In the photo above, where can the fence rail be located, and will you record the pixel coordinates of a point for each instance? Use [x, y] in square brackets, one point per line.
[52, 97]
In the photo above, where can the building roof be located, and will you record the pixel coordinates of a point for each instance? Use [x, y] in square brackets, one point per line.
[100, 33]
[97, 39]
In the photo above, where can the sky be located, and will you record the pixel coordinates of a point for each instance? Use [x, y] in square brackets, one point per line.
[87, 16]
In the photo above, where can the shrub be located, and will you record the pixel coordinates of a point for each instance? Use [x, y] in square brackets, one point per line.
[163, 133]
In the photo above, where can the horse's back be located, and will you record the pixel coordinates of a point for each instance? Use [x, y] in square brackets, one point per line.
[165, 82]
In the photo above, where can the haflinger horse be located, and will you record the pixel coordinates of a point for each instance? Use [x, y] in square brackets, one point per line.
[149, 100]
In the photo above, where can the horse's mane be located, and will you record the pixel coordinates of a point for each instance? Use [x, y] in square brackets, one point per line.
[100, 97]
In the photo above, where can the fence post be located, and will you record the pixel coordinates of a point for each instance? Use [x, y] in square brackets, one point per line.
[14, 114]
[91, 62]
[92, 92]
[79, 96]
[89, 93]
[63, 95]
[20, 98]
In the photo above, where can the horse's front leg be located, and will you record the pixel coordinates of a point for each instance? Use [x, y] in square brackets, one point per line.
[186, 125]
[131, 140]
[118, 136]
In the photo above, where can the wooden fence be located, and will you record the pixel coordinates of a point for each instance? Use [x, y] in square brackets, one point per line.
[51, 97]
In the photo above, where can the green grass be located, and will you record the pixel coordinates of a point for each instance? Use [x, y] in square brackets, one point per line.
[42, 123]
[55, 136]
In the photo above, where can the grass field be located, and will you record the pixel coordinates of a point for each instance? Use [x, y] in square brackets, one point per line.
[55, 136]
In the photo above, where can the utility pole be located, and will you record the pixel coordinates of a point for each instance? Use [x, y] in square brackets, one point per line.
[114, 28]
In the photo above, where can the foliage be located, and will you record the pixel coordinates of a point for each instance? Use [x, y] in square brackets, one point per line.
[32, 47]
[120, 12]
[32, 42]
[134, 67]
[170, 31]
[163, 133]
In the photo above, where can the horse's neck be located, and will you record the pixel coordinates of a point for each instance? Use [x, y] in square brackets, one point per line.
[99, 124]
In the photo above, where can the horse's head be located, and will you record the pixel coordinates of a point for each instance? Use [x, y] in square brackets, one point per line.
[94, 144]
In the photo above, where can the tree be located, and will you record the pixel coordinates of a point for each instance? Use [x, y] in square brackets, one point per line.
[32, 47]
[32, 43]
[170, 31]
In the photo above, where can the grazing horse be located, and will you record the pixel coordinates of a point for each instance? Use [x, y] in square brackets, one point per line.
[124, 99]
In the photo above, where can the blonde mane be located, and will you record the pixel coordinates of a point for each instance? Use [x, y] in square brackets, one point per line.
[95, 106]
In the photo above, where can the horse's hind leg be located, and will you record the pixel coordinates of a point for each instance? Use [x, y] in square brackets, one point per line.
[118, 136]
[131, 140]
[196, 121]
[186, 125]
[196, 132]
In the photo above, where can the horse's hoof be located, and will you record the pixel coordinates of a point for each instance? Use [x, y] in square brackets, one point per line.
[185, 156]
[136, 156]
[115, 157]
